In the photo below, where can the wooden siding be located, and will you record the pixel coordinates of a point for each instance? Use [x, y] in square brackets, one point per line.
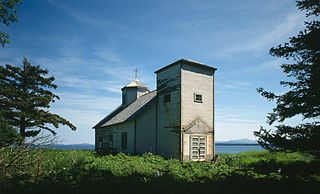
[116, 131]
[195, 80]
[168, 113]
[126, 127]
[146, 130]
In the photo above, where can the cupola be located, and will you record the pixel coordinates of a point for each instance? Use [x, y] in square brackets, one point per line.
[133, 91]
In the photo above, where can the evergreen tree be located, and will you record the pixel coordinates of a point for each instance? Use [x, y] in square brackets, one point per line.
[303, 95]
[25, 99]
[8, 135]
[8, 15]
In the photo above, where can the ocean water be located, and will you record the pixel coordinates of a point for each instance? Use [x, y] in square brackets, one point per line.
[232, 149]
[219, 148]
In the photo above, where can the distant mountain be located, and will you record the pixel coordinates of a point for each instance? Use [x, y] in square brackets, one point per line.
[238, 141]
[83, 146]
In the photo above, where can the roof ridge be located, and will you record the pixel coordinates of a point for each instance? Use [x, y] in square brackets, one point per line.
[188, 61]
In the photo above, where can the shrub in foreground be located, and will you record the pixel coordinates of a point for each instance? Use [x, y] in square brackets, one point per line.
[84, 172]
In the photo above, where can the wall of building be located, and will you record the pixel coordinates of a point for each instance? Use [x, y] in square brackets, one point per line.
[101, 134]
[197, 80]
[168, 113]
[146, 130]
[126, 127]
[116, 131]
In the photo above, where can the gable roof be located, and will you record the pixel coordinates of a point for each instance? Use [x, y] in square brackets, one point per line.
[198, 126]
[186, 61]
[125, 113]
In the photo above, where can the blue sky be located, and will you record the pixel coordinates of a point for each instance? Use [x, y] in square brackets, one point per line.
[93, 47]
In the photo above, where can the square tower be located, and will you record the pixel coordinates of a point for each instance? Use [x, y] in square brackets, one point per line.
[185, 111]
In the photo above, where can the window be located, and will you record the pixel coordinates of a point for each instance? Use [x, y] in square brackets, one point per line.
[110, 141]
[124, 141]
[197, 98]
[100, 142]
[167, 98]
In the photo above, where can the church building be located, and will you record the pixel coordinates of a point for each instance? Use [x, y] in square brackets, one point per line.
[176, 120]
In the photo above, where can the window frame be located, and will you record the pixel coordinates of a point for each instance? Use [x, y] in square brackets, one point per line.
[195, 95]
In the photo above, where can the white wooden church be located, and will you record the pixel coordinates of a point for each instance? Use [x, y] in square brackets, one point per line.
[176, 120]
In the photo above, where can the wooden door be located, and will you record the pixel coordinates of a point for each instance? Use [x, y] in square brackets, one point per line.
[198, 145]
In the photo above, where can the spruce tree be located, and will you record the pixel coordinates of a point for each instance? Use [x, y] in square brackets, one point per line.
[8, 135]
[8, 15]
[25, 99]
[302, 97]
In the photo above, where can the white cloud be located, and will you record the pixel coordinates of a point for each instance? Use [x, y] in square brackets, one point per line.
[102, 68]
[272, 65]
[259, 68]
[84, 84]
[234, 130]
[263, 38]
[286, 28]
[84, 111]
[235, 122]
[233, 84]
[84, 101]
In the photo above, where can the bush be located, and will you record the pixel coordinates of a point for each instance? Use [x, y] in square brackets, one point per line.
[85, 171]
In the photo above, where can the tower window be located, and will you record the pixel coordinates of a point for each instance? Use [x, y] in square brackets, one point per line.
[197, 98]
[167, 98]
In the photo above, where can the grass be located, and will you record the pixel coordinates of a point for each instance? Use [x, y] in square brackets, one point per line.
[86, 172]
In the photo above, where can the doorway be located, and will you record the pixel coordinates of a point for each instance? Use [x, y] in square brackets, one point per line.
[198, 145]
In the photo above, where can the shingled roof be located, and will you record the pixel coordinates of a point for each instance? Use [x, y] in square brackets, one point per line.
[122, 114]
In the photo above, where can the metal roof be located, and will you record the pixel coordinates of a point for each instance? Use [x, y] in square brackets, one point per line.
[187, 61]
[135, 83]
[121, 114]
